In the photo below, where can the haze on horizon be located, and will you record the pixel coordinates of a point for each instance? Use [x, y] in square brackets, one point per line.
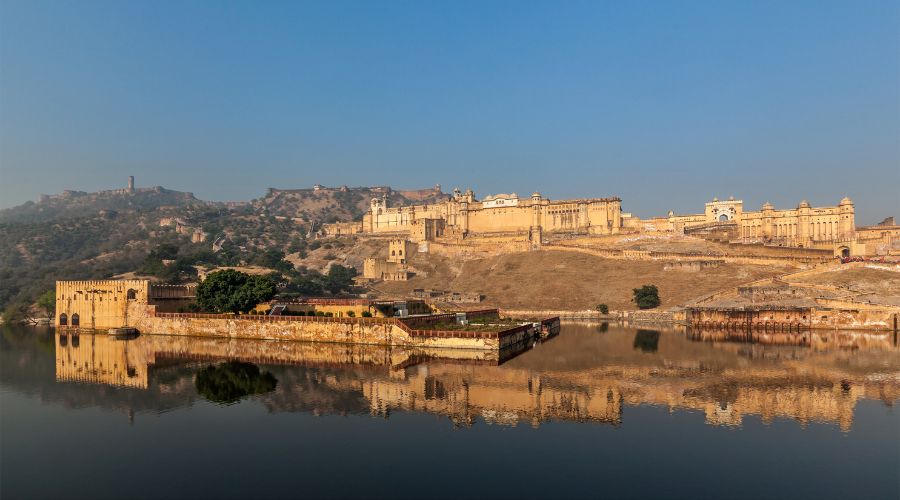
[665, 104]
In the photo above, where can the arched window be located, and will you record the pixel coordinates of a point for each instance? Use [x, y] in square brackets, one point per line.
[393, 253]
[131, 294]
[723, 218]
[76, 321]
[63, 319]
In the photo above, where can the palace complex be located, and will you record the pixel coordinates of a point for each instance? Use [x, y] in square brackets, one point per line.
[529, 222]
[461, 215]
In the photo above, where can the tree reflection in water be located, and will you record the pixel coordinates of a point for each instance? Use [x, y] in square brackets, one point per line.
[646, 340]
[229, 382]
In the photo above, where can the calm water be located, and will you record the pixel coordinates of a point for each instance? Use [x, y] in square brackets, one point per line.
[595, 412]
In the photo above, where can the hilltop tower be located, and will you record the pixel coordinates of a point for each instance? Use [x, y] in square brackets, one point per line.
[130, 183]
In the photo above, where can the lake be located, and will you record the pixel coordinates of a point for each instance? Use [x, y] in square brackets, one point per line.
[597, 411]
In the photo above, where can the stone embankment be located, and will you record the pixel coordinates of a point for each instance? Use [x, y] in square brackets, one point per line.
[440, 331]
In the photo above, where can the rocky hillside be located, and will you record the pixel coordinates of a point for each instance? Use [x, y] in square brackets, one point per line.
[322, 205]
[72, 204]
[162, 234]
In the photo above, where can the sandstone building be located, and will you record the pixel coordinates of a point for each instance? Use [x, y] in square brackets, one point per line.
[802, 226]
[463, 215]
[101, 304]
[507, 222]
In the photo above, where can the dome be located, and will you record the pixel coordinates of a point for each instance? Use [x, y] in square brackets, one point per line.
[535, 195]
[803, 204]
[767, 206]
[846, 201]
[715, 199]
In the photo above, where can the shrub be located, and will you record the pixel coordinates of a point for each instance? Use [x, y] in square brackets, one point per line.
[366, 314]
[646, 297]
[603, 308]
[351, 314]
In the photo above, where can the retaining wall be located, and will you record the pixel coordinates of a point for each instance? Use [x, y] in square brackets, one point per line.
[382, 331]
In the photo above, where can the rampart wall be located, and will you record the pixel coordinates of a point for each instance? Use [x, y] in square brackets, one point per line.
[380, 331]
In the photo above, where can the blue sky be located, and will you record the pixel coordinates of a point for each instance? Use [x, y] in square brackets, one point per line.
[665, 104]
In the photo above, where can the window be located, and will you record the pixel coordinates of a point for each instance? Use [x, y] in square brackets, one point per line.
[131, 294]
[76, 321]
[63, 319]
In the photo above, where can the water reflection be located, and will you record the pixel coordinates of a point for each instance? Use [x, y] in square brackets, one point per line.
[587, 373]
[232, 381]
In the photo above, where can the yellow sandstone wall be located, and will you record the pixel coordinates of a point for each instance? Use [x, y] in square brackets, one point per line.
[98, 303]
[309, 329]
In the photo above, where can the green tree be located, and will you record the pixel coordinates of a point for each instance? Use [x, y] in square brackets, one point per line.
[339, 278]
[47, 302]
[603, 309]
[233, 291]
[646, 297]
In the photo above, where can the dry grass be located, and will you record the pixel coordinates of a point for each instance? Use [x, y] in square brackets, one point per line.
[567, 280]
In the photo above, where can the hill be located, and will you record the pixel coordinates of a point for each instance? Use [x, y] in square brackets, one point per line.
[323, 205]
[72, 204]
[162, 234]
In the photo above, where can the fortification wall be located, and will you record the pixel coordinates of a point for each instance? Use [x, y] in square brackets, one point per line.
[482, 246]
[673, 256]
[380, 331]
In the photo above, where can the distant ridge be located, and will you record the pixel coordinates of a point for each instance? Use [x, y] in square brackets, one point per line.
[316, 204]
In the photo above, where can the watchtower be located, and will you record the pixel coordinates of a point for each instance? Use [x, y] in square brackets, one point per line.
[398, 250]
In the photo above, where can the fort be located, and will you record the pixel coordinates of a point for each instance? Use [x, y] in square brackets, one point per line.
[462, 215]
[461, 223]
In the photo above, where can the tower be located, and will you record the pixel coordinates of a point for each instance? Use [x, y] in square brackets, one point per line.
[846, 223]
[398, 251]
[130, 183]
[536, 233]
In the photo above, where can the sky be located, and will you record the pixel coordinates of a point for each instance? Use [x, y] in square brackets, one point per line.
[664, 104]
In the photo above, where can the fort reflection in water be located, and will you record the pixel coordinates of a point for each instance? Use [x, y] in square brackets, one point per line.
[589, 373]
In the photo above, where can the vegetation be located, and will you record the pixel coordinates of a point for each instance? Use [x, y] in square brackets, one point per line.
[47, 303]
[646, 297]
[603, 309]
[79, 236]
[233, 291]
[231, 381]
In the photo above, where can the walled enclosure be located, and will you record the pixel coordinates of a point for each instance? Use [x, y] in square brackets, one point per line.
[117, 304]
